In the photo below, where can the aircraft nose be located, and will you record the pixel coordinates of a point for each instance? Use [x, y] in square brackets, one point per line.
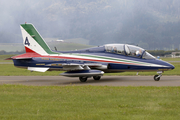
[171, 66]
[168, 65]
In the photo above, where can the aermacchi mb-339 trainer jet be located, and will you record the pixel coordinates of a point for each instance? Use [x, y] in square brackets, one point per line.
[86, 63]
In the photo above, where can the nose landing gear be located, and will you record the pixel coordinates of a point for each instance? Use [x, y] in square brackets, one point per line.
[157, 77]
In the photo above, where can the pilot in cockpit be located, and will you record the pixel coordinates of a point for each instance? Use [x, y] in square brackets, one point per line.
[114, 50]
[138, 53]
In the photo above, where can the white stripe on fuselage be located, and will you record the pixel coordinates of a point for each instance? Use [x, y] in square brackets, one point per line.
[105, 58]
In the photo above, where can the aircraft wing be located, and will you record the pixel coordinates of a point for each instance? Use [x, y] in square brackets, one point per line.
[79, 70]
[75, 69]
[79, 66]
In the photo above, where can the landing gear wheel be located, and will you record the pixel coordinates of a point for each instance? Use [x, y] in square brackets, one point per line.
[156, 78]
[83, 79]
[97, 77]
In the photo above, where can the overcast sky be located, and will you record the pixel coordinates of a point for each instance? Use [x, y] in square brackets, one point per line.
[96, 20]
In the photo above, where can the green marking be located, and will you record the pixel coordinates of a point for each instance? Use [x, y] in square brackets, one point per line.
[33, 32]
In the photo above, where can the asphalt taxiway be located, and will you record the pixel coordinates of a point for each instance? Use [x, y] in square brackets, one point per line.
[105, 81]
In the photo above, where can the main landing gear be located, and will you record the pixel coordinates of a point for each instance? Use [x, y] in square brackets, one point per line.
[157, 77]
[96, 77]
[84, 79]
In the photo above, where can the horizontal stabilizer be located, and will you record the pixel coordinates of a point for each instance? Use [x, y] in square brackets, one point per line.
[81, 73]
[38, 69]
[26, 56]
[8, 58]
[19, 58]
[22, 58]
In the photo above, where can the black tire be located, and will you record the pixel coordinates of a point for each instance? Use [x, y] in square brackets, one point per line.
[155, 78]
[83, 79]
[97, 77]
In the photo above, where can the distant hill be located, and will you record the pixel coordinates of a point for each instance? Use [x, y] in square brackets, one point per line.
[11, 47]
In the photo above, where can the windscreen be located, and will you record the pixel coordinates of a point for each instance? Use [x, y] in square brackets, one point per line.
[147, 55]
[134, 51]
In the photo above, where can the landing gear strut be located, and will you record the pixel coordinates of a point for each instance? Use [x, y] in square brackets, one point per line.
[157, 77]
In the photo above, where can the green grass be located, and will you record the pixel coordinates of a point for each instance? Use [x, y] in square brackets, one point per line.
[10, 70]
[9, 47]
[89, 103]
[3, 57]
[171, 59]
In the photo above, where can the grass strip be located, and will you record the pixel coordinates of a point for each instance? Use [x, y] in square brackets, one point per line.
[89, 102]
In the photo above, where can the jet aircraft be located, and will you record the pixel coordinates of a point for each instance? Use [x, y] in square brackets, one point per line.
[85, 63]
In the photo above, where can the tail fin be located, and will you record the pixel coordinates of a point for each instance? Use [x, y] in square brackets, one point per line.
[33, 41]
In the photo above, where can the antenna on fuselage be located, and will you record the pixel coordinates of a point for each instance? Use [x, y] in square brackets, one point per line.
[55, 48]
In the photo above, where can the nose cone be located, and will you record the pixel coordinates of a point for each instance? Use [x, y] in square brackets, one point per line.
[165, 65]
[168, 65]
[171, 66]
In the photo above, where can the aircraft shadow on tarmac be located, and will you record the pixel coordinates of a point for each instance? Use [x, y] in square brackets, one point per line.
[103, 80]
[112, 80]
[68, 81]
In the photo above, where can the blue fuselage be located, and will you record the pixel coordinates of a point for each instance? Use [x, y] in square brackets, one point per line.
[121, 63]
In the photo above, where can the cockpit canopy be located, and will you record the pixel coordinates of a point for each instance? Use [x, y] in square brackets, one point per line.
[129, 50]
